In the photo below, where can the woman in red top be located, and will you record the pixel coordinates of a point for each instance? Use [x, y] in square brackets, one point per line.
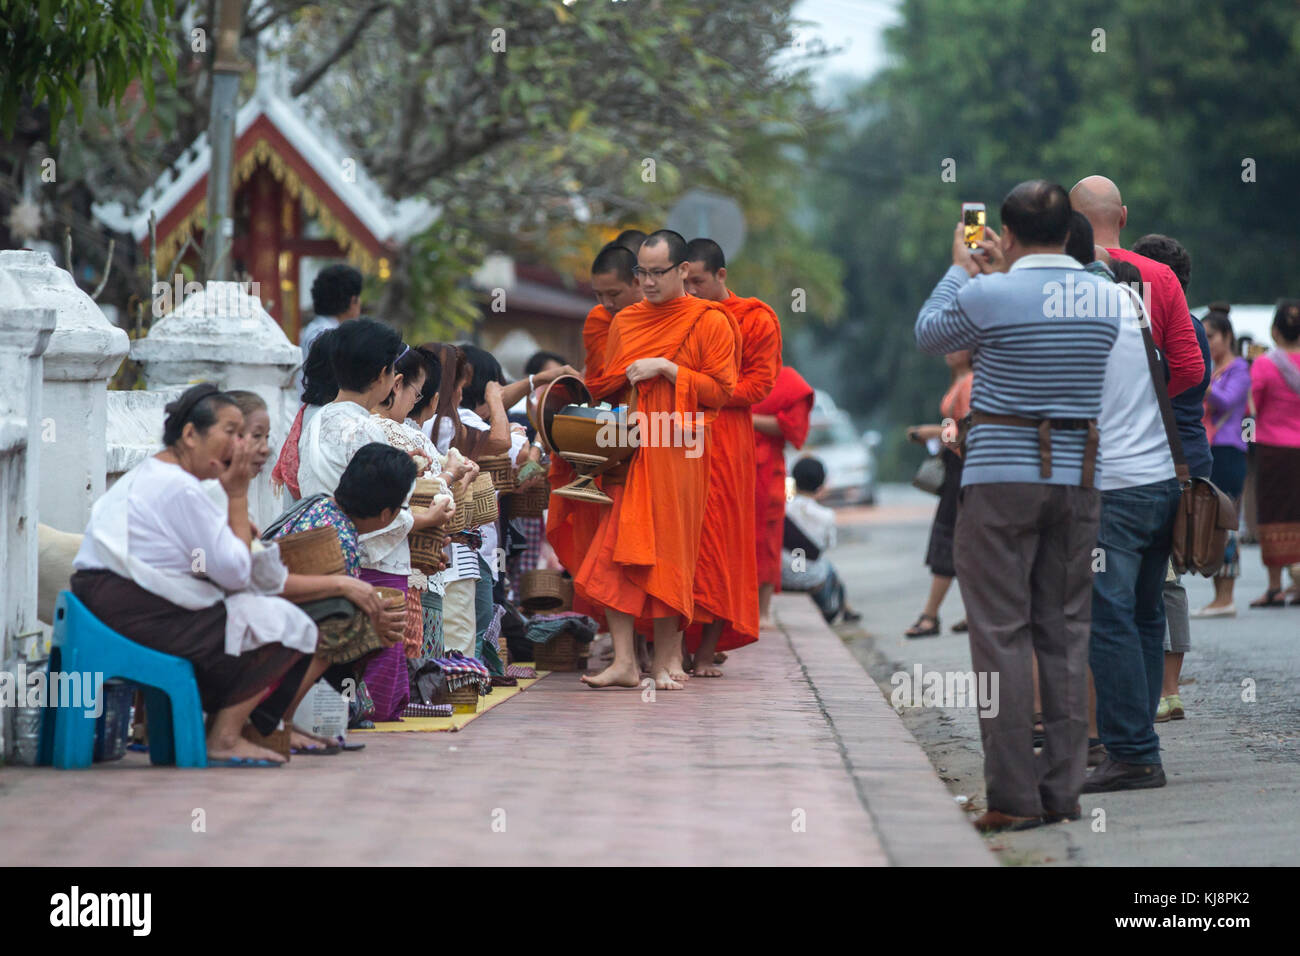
[938, 556]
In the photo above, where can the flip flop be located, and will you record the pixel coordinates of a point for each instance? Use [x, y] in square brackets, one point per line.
[244, 762]
[321, 750]
[1271, 598]
[919, 629]
[344, 745]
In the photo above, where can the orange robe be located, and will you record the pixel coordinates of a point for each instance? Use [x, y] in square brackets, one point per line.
[726, 578]
[570, 523]
[643, 554]
[791, 401]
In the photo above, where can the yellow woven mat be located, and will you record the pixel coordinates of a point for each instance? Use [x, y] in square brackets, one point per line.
[455, 722]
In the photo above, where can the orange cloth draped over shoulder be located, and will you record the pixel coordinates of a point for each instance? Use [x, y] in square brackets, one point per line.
[643, 553]
[791, 401]
[726, 578]
[570, 523]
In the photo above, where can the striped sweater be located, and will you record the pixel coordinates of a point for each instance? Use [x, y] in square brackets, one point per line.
[1040, 338]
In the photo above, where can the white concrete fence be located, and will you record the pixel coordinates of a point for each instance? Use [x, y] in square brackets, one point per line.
[64, 437]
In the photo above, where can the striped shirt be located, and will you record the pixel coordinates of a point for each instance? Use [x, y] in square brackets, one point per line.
[1040, 335]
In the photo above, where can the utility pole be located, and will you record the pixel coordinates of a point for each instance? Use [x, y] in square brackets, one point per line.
[226, 69]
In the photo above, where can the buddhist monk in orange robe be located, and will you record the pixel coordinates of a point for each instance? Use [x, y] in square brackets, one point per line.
[781, 417]
[679, 355]
[570, 524]
[726, 578]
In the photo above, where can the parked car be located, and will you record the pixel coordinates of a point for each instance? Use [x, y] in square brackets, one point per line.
[1252, 322]
[849, 457]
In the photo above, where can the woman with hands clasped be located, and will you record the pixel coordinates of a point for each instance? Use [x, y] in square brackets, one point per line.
[162, 565]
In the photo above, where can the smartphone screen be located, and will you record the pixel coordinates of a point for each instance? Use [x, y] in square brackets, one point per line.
[972, 217]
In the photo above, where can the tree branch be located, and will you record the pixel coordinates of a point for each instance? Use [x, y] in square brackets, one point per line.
[346, 42]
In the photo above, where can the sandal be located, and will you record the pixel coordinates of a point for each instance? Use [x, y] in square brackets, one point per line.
[920, 629]
[1273, 597]
[961, 627]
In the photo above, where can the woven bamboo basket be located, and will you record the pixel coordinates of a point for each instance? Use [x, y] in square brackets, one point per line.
[394, 600]
[484, 500]
[543, 589]
[426, 546]
[560, 653]
[463, 499]
[532, 502]
[502, 651]
[464, 700]
[422, 496]
[317, 551]
[501, 471]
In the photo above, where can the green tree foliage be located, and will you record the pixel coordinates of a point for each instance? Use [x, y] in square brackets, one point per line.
[49, 47]
[1183, 93]
[533, 123]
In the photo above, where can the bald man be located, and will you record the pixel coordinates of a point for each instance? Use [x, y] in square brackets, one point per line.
[1171, 324]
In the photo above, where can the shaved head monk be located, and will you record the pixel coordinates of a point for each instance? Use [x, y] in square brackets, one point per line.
[1171, 323]
[570, 524]
[726, 578]
[629, 239]
[677, 355]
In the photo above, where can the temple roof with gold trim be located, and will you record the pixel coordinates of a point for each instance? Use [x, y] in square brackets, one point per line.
[271, 130]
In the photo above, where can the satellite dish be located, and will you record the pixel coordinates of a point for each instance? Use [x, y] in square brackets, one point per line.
[711, 215]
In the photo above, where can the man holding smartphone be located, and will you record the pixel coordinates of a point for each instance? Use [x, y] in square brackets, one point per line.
[1029, 506]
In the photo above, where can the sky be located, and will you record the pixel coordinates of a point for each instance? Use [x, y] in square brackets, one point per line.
[853, 25]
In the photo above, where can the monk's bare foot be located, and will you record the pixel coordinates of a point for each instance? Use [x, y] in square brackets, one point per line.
[707, 670]
[766, 623]
[664, 681]
[614, 676]
[220, 749]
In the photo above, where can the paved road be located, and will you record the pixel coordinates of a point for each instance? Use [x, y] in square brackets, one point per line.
[792, 758]
[1233, 766]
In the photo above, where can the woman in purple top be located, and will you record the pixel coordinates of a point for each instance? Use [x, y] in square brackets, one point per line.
[1225, 407]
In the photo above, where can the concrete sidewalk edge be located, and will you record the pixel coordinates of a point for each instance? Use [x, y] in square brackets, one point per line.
[914, 816]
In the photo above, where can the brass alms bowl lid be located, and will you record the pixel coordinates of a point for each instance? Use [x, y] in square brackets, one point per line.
[567, 390]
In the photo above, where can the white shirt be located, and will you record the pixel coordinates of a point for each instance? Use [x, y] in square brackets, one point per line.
[157, 527]
[817, 522]
[334, 434]
[328, 444]
[174, 526]
[408, 437]
[1134, 448]
[322, 323]
[463, 560]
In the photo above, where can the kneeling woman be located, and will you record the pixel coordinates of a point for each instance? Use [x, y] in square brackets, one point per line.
[370, 493]
[161, 565]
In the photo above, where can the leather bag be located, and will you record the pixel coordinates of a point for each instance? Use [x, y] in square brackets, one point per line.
[1205, 513]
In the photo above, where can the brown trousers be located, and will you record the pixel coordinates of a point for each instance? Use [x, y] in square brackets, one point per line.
[1023, 554]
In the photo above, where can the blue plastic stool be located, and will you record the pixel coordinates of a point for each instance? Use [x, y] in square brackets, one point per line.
[84, 645]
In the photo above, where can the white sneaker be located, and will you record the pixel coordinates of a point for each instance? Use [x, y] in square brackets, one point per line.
[1229, 610]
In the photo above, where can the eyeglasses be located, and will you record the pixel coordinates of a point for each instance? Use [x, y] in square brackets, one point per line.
[641, 273]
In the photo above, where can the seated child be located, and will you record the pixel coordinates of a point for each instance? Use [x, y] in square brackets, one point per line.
[809, 534]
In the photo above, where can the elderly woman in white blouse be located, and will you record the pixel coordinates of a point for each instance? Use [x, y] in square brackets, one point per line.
[162, 565]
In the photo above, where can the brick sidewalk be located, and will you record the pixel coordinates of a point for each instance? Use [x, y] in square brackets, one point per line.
[716, 774]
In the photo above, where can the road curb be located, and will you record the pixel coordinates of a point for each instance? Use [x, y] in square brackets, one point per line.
[914, 816]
